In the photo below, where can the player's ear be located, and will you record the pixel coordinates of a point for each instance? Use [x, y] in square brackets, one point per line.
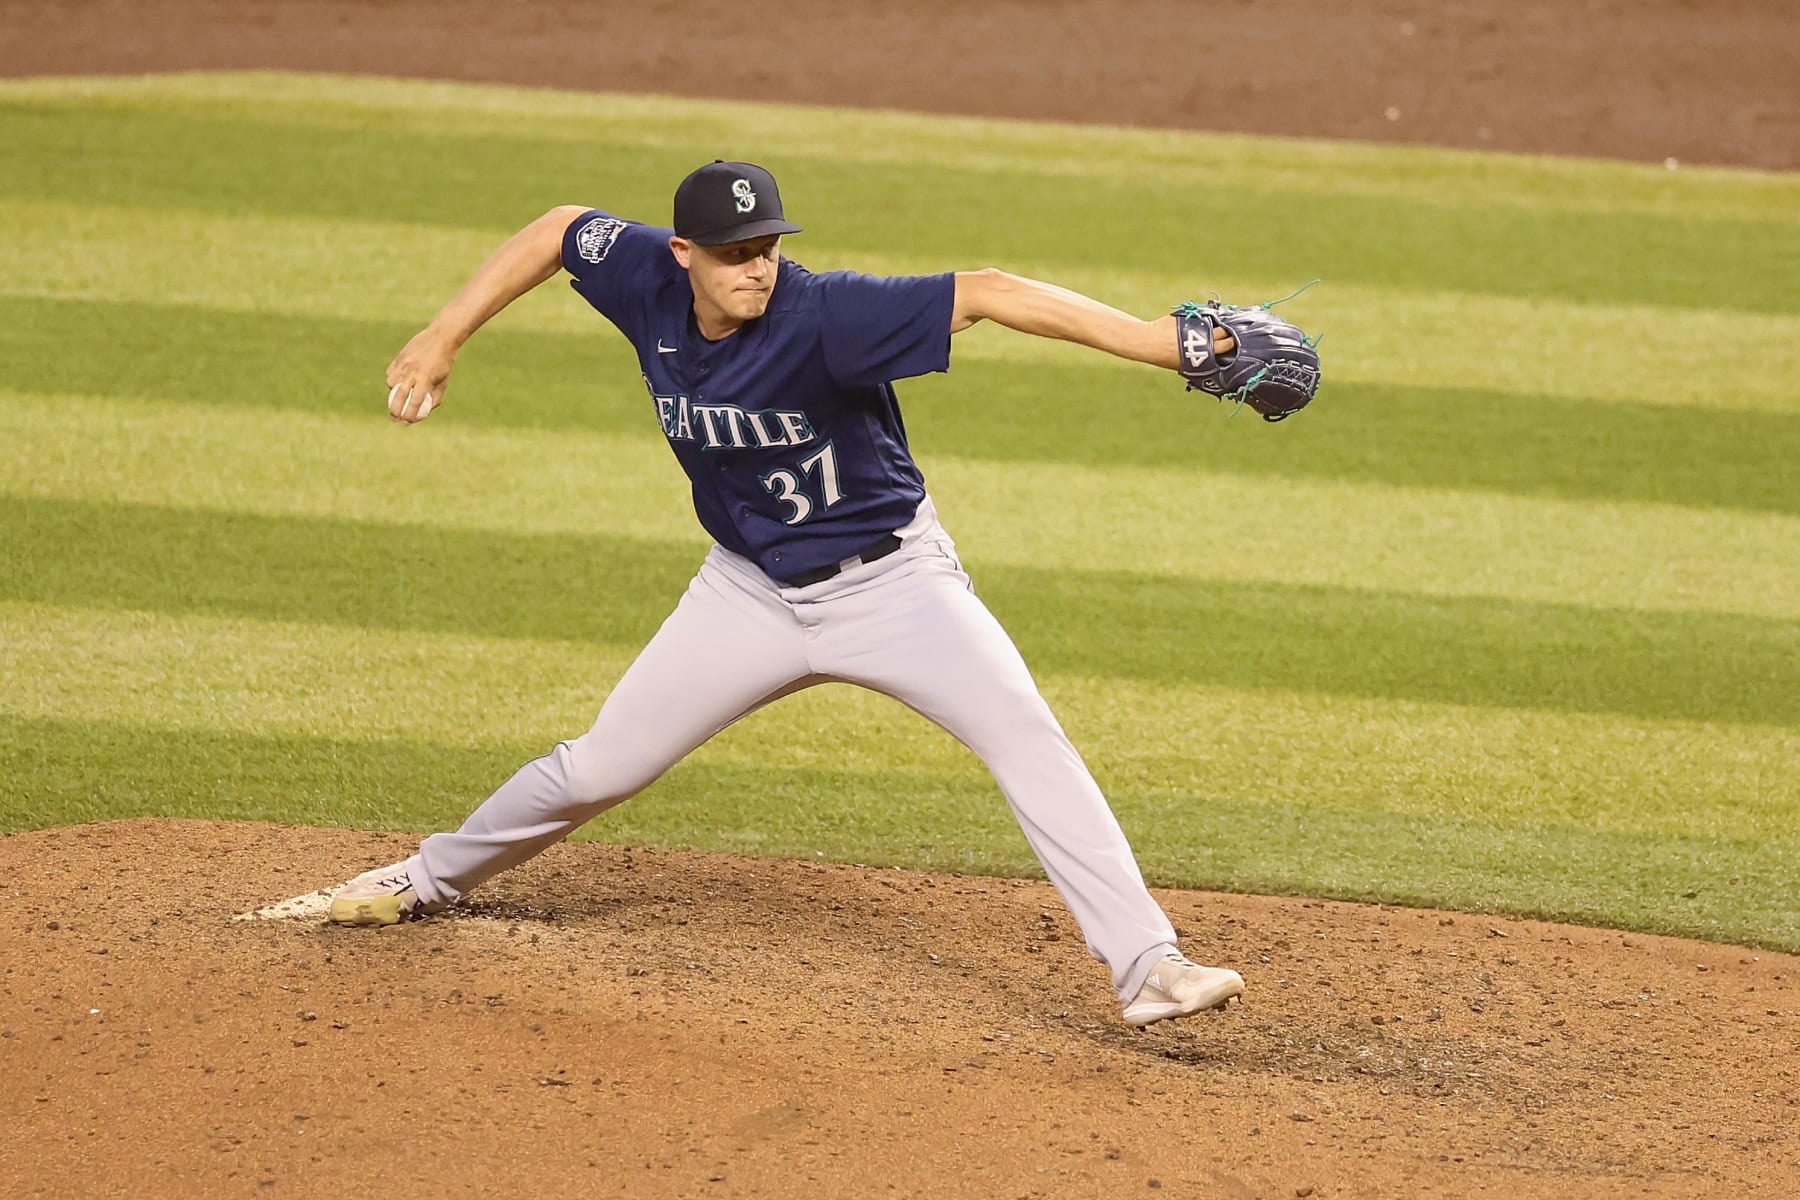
[682, 249]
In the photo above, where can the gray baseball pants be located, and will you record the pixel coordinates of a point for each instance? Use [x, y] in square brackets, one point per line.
[908, 626]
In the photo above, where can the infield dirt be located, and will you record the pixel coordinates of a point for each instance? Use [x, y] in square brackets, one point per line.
[621, 1021]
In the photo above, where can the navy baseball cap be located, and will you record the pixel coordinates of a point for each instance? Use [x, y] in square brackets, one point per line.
[729, 202]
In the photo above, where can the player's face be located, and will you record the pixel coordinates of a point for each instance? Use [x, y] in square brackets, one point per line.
[736, 279]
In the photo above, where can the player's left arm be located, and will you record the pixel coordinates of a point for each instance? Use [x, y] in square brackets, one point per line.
[1047, 310]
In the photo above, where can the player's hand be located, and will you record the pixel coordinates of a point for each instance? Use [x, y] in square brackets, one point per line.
[419, 375]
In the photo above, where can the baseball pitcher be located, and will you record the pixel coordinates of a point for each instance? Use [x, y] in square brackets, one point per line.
[774, 388]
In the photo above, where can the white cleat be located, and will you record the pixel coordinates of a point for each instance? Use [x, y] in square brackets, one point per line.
[1179, 988]
[384, 896]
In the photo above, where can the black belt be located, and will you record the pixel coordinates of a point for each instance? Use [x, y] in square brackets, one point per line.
[878, 549]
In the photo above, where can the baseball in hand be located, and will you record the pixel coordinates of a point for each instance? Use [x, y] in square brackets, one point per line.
[398, 411]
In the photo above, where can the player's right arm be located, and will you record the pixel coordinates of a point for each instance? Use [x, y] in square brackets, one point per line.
[421, 371]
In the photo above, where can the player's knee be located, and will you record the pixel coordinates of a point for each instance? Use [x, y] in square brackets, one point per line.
[598, 774]
[1021, 702]
[1013, 713]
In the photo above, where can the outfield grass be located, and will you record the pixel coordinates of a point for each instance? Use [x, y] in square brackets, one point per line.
[1509, 620]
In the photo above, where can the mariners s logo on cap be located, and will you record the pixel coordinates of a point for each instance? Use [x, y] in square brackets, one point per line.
[729, 202]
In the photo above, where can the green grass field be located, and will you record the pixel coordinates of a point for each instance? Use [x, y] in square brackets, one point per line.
[1509, 620]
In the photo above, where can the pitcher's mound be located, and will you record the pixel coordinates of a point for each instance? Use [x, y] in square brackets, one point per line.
[613, 1021]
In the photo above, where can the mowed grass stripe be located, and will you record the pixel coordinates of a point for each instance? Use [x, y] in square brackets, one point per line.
[1244, 635]
[1721, 889]
[1099, 414]
[231, 164]
[1148, 522]
[1461, 439]
[395, 274]
[1184, 741]
[1155, 156]
[267, 653]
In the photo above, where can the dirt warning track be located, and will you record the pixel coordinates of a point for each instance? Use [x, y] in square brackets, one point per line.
[1648, 80]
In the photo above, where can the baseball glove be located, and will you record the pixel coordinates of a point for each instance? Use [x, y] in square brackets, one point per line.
[1274, 367]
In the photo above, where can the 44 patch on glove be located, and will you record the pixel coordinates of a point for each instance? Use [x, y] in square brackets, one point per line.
[1274, 368]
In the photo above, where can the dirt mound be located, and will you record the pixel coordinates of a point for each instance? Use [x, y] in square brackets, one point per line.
[620, 1021]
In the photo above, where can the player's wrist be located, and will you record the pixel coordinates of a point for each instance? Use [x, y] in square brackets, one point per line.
[448, 333]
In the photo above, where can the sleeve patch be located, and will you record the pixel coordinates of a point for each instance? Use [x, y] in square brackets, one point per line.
[595, 239]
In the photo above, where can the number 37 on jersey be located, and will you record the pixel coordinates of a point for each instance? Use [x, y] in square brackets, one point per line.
[818, 475]
[808, 487]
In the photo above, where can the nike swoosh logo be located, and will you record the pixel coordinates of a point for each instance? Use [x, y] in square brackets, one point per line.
[662, 349]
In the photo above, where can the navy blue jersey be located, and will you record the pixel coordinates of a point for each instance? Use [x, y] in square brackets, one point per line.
[789, 428]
